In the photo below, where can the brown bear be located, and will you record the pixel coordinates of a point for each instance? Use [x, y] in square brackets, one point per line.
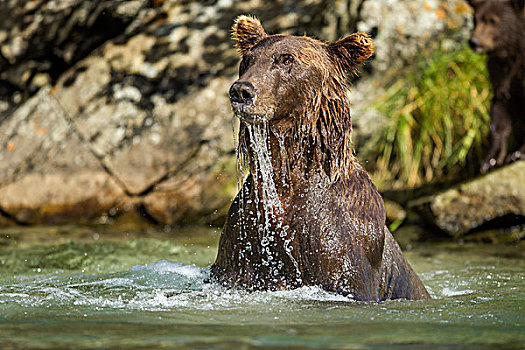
[499, 32]
[308, 214]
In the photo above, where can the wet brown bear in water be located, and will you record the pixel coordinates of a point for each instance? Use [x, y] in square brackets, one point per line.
[308, 213]
[499, 31]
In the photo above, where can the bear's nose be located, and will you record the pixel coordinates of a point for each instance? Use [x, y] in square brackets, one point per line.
[473, 43]
[243, 92]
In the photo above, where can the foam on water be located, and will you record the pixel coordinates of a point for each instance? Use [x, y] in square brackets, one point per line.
[166, 285]
[162, 285]
[166, 267]
[449, 292]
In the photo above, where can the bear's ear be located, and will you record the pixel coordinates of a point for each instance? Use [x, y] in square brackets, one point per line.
[247, 31]
[352, 50]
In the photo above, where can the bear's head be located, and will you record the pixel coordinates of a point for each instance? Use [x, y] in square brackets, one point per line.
[284, 77]
[296, 87]
[494, 24]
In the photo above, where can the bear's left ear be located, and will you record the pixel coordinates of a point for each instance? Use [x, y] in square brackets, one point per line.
[352, 50]
[247, 31]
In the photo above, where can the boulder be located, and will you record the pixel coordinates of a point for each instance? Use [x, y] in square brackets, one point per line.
[493, 202]
[40, 39]
[143, 119]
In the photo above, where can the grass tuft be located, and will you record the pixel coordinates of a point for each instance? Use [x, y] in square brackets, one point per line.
[439, 118]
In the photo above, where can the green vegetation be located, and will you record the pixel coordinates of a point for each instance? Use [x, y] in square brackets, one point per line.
[439, 118]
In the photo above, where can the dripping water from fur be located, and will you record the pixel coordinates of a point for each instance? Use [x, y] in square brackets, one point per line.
[270, 209]
[271, 204]
[241, 173]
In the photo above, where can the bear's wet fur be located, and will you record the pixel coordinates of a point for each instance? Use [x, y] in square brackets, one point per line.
[326, 226]
[499, 32]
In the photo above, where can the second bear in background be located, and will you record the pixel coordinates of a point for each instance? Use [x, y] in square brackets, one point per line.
[499, 32]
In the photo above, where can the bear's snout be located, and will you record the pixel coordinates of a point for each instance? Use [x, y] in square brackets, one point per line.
[242, 94]
[475, 44]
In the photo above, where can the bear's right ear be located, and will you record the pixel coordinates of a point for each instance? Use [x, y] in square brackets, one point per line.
[247, 31]
[352, 50]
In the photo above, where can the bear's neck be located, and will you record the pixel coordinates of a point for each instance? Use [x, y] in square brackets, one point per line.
[289, 154]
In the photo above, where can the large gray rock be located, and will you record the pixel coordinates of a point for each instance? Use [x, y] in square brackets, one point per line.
[113, 107]
[49, 174]
[40, 39]
[406, 27]
[499, 195]
[142, 123]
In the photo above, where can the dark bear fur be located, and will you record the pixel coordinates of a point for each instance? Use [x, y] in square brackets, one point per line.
[325, 226]
[499, 32]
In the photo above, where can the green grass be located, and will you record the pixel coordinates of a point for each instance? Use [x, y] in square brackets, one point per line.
[439, 118]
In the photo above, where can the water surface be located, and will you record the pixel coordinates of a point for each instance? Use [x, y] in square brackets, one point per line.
[71, 287]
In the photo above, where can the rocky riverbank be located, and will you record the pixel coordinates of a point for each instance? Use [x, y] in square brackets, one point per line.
[118, 110]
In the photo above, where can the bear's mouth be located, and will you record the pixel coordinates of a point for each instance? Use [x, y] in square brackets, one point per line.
[480, 49]
[248, 115]
[245, 117]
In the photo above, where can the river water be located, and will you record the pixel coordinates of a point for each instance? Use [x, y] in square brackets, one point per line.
[83, 287]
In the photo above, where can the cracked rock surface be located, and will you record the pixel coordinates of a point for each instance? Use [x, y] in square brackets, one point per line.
[140, 124]
[115, 107]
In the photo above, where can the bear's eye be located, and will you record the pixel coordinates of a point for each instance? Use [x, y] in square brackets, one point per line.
[245, 63]
[491, 20]
[286, 59]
